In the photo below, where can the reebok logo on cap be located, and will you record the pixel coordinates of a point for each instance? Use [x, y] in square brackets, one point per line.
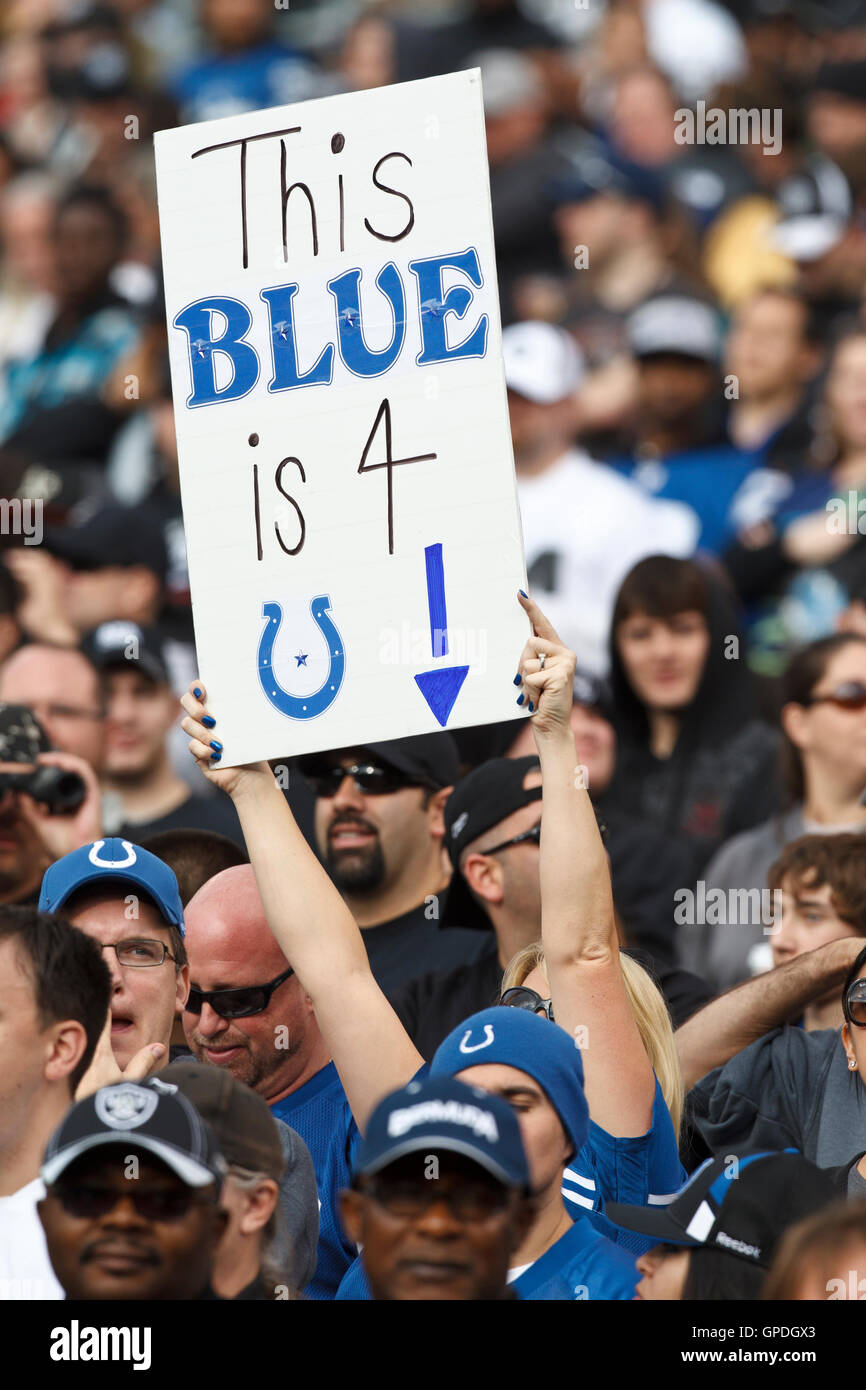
[742, 1247]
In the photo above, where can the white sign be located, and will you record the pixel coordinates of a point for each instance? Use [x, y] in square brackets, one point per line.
[348, 484]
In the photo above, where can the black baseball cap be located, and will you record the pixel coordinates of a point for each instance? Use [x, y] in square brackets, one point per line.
[593, 693]
[430, 758]
[113, 535]
[594, 170]
[846, 80]
[131, 646]
[441, 1114]
[741, 1206]
[243, 1125]
[149, 1115]
[815, 208]
[480, 801]
[249, 1136]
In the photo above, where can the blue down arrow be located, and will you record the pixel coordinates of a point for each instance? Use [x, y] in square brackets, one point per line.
[439, 687]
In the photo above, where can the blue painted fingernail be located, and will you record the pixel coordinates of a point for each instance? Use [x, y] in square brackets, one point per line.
[217, 747]
[531, 706]
[520, 699]
[523, 593]
[196, 692]
[518, 679]
[215, 757]
[208, 721]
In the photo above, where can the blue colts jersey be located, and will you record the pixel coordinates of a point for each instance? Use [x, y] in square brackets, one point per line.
[642, 1171]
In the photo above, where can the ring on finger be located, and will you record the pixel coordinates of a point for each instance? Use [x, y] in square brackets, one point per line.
[541, 661]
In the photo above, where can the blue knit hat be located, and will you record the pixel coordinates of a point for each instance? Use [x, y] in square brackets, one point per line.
[533, 1045]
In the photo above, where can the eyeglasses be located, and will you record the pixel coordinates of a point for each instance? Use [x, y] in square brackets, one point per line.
[850, 695]
[519, 997]
[854, 1004]
[368, 778]
[89, 1203]
[409, 1198]
[139, 954]
[236, 1003]
[533, 835]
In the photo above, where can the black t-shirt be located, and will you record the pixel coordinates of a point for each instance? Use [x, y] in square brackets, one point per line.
[432, 1005]
[196, 813]
[414, 945]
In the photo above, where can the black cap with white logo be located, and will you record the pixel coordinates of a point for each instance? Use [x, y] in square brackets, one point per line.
[129, 646]
[742, 1206]
[480, 801]
[150, 1115]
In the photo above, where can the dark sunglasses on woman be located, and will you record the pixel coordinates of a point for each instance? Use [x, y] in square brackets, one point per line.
[854, 1004]
[519, 997]
[849, 695]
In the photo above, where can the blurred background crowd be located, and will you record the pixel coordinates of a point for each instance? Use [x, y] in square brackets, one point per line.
[685, 350]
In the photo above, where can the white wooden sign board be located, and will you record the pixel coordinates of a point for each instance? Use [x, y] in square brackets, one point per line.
[331, 299]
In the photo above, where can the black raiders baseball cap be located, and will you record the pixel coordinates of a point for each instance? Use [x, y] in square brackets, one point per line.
[151, 1115]
[742, 1206]
[479, 802]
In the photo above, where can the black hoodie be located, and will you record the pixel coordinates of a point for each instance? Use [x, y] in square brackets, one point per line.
[722, 776]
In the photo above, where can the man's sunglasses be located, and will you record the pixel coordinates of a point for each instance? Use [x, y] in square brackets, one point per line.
[91, 1203]
[533, 836]
[519, 997]
[235, 1003]
[854, 1004]
[408, 1198]
[368, 778]
[849, 695]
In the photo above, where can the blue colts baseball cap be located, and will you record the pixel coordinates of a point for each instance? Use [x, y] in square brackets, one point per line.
[107, 862]
[440, 1114]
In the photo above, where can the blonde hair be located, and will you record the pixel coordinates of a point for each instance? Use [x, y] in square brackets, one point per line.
[650, 1013]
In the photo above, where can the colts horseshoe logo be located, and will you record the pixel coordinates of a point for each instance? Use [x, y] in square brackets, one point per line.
[489, 1037]
[301, 706]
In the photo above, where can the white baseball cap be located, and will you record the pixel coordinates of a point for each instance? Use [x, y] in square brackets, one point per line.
[542, 362]
[675, 323]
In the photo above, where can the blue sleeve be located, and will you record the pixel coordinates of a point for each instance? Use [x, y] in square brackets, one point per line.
[642, 1171]
[354, 1284]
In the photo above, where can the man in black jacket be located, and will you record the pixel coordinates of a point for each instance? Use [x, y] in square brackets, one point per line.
[492, 831]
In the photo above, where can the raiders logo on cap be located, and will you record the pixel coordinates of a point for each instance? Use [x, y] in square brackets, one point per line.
[126, 1106]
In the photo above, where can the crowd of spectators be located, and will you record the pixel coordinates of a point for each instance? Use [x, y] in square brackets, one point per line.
[352, 1026]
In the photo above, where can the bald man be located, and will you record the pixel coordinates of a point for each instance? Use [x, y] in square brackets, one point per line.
[62, 688]
[246, 1012]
